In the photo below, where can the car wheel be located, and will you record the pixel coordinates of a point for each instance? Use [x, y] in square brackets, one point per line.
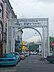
[51, 62]
[15, 63]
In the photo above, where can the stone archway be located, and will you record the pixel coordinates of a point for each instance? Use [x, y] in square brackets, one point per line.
[32, 23]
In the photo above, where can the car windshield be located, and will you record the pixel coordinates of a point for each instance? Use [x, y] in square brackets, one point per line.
[53, 54]
[9, 55]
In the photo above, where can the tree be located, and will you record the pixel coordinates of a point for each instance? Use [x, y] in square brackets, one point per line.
[33, 46]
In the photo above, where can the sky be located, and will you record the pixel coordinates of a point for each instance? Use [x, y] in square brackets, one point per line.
[35, 9]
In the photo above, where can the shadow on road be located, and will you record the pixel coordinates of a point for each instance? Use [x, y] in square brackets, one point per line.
[7, 66]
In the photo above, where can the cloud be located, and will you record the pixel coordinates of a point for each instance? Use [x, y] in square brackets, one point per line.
[35, 8]
[47, 1]
[34, 39]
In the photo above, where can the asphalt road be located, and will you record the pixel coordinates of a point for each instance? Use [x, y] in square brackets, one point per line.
[30, 64]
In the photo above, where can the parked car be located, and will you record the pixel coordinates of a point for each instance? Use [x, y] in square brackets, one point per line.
[51, 52]
[50, 58]
[31, 53]
[9, 59]
[34, 53]
[17, 55]
[26, 54]
[22, 56]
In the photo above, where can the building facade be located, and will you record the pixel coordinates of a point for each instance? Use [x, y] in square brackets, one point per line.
[18, 39]
[1, 27]
[7, 13]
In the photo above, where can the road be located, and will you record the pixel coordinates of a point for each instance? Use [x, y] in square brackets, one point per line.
[30, 64]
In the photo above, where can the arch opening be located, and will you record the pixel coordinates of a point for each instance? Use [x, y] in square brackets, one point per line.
[40, 45]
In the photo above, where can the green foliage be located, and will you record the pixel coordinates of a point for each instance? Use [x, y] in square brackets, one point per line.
[51, 40]
[33, 46]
